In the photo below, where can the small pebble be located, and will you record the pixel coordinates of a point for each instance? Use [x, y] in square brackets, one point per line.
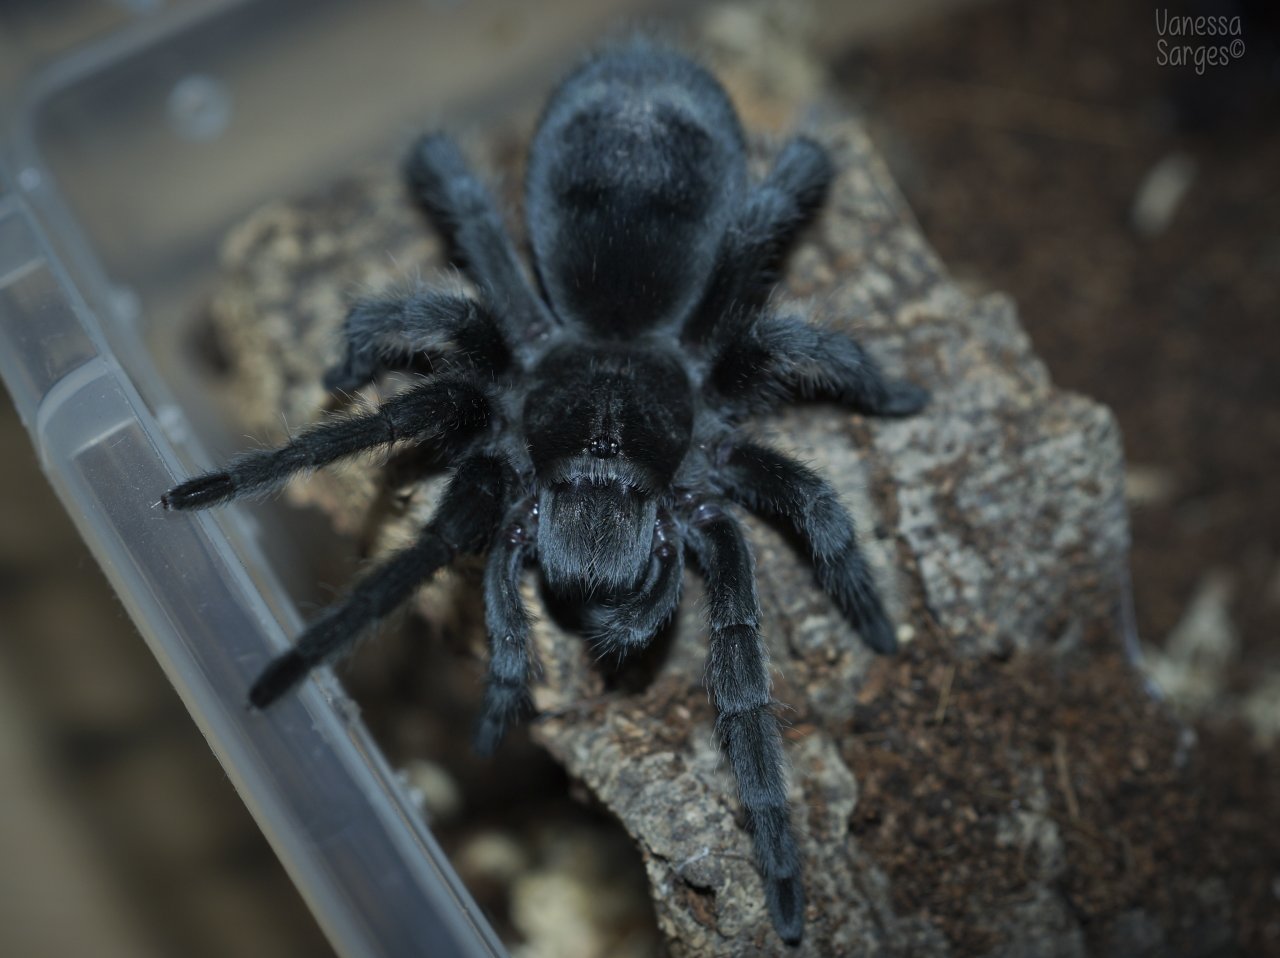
[495, 856]
[440, 796]
[1161, 193]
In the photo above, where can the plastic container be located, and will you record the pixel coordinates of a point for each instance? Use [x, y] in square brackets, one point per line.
[122, 163]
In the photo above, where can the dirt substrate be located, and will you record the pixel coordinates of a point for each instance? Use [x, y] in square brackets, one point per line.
[1124, 814]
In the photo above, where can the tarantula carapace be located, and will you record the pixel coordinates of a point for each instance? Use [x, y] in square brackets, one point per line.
[596, 419]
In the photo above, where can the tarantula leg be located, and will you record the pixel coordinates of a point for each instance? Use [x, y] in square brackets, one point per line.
[465, 212]
[384, 332]
[789, 355]
[781, 206]
[738, 680]
[462, 525]
[628, 625]
[506, 695]
[445, 411]
[768, 482]
[831, 363]
[766, 226]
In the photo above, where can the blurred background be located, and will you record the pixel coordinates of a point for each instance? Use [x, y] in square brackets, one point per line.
[1128, 201]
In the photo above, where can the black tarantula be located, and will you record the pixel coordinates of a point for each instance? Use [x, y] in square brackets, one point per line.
[596, 419]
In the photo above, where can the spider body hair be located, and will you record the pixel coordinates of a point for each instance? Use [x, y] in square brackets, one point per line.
[595, 415]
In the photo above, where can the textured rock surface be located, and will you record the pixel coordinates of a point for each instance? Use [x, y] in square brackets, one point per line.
[967, 797]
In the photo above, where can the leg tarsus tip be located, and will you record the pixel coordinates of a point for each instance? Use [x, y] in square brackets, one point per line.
[276, 679]
[785, 897]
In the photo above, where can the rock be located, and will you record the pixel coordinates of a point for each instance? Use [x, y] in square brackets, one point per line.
[1004, 786]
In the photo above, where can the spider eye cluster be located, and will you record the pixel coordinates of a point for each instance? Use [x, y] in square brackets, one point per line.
[604, 447]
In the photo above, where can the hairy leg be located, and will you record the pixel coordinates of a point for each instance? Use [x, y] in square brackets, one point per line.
[384, 332]
[766, 481]
[463, 524]
[738, 680]
[628, 625]
[465, 212]
[506, 695]
[447, 412]
[788, 356]
[774, 213]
